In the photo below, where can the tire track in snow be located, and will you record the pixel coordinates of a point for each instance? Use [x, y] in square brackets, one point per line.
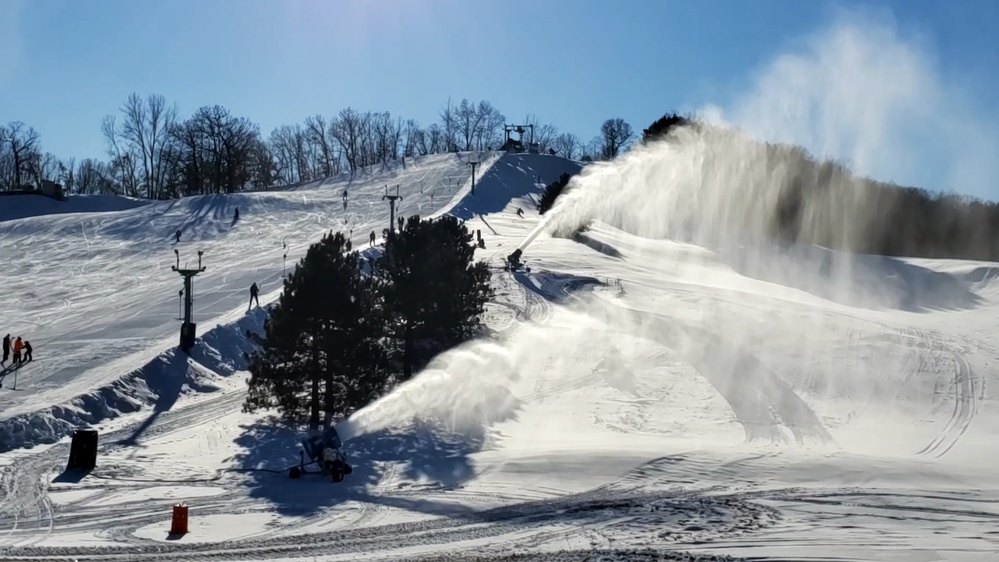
[760, 399]
[686, 516]
[965, 407]
[26, 486]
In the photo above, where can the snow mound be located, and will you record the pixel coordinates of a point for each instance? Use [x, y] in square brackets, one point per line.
[514, 178]
[859, 280]
[16, 207]
[157, 384]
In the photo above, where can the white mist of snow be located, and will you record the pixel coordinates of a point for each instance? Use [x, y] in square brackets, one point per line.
[856, 90]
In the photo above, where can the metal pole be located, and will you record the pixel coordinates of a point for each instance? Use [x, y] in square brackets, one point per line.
[188, 303]
[473, 165]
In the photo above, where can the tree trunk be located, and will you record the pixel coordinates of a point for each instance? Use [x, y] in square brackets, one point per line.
[407, 352]
[328, 401]
[316, 376]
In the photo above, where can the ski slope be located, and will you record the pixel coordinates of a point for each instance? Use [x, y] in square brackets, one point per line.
[643, 399]
[88, 281]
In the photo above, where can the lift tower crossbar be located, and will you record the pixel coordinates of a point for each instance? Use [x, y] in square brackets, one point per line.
[188, 328]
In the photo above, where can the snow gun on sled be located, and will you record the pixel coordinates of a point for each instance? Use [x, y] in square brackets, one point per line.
[514, 263]
[324, 450]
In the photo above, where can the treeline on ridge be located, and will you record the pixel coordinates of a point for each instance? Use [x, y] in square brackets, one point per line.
[154, 153]
[824, 203]
[346, 330]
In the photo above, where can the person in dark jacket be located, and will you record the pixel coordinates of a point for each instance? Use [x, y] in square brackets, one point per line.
[254, 295]
[6, 348]
[27, 351]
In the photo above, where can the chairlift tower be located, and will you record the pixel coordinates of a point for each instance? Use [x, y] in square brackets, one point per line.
[520, 130]
[474, 165]
[188, 328]
[392, 199]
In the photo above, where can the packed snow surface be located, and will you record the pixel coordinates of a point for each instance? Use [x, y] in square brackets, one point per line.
[640, 399]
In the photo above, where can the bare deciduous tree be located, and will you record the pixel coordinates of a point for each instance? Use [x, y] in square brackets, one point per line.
[21, 148]
[122, 165]
[145, 134]
[615, 134]
[347, 129]
[320, 134]
[567, 145]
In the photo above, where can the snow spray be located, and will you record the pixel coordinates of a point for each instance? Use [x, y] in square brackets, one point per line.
[855, 92]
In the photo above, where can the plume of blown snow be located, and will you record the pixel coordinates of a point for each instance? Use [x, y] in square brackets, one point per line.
[856, 91]
[477, 383]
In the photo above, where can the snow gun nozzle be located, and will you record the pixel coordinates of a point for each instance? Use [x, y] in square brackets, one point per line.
[514, 258]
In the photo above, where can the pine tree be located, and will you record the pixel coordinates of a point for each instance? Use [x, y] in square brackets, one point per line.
[551, 193]
[353, 362]
[433, 290]
[662, 126]
[283, 371]
[461, 288]
[321, 355]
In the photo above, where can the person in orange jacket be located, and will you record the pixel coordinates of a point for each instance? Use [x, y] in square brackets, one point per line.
[18, 346]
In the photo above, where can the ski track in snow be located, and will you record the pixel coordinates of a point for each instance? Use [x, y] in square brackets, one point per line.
[785, 486]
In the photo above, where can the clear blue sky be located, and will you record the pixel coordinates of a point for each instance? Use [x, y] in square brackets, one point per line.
[66, 64]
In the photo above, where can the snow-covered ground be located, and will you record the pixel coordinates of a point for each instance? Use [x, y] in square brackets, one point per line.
[645, 399]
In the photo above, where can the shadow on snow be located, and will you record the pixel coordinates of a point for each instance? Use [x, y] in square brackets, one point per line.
[422, 456]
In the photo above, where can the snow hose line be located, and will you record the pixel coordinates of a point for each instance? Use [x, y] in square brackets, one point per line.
[218, 475]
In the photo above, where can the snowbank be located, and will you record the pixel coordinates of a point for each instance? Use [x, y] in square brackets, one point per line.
[156, 384]
[32, 205]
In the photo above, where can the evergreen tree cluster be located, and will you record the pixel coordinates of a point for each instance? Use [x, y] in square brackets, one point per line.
[342, 333]
[662, 126]
[551, 193]
[822, 202]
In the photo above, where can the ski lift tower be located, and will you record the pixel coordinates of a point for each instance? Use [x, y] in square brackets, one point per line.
[391, 199]
[520, 130]
[474, 164]
[188, 328]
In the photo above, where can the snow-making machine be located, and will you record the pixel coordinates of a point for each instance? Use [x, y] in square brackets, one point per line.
[324, 450]
[514, 263]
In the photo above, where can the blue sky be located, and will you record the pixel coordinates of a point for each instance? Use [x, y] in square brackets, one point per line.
[64, 65]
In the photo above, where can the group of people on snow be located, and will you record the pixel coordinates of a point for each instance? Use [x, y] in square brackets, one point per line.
[21, 349]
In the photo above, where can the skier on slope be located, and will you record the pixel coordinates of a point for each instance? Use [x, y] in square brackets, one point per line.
[254, 295]
[27, 351]
[6, 348]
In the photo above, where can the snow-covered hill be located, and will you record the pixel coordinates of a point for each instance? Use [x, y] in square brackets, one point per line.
[646, 399]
